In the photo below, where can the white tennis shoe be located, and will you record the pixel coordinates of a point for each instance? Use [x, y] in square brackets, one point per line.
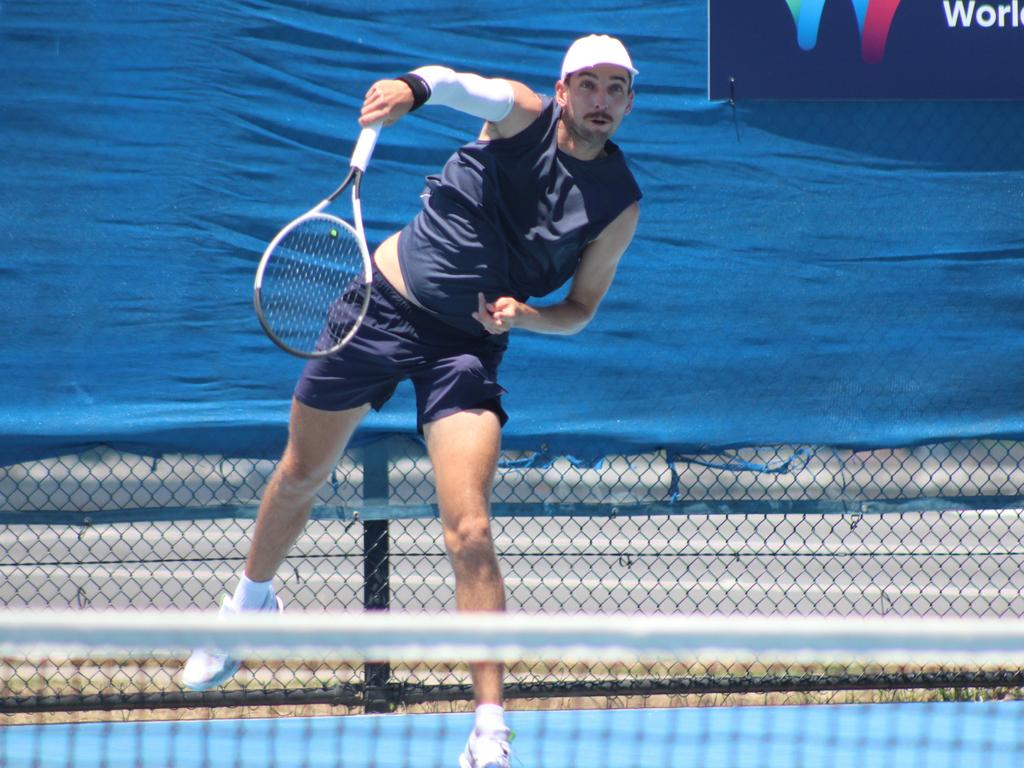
[207, 668]
[490, 751]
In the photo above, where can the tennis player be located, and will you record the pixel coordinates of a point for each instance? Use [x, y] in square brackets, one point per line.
[541, 196]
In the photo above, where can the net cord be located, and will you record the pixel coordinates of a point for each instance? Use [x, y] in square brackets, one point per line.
[508, 637]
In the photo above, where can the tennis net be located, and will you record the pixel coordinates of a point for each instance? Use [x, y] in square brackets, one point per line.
[559, 733]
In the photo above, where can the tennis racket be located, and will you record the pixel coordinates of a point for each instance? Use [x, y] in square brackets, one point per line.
[312, 285]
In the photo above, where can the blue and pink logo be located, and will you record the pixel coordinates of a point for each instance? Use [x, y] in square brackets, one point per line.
[874, 18]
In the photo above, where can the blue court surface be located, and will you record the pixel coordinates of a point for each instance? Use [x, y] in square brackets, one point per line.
[845, 736]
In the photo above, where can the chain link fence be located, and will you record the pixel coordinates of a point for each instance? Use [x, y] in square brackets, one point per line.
[928, 531]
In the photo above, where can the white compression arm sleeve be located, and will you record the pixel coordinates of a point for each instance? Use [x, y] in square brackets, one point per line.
[489, 99]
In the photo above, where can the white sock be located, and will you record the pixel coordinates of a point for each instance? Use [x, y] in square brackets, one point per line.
[490, 720]
[252, 595]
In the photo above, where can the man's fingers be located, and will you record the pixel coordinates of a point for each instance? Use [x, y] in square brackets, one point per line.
[371, 113]
[385, 101]
[490, 317]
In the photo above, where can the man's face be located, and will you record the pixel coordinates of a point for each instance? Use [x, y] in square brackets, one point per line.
[595, 100]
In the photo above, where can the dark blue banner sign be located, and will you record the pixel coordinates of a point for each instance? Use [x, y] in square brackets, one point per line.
[866, 49]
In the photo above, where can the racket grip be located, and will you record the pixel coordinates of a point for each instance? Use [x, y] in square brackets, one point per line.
[364, 146]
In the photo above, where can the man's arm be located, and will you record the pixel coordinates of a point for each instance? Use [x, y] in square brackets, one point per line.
[589, 285]
[507, 106]
[526, 106]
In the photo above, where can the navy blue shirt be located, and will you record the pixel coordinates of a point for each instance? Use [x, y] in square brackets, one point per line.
[509, 217]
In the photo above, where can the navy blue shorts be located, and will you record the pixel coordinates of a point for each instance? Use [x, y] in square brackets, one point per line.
[450, 370]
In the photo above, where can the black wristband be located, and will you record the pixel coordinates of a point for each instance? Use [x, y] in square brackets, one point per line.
[418, 86]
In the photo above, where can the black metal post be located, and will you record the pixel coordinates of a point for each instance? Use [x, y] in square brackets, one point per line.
[376, 568]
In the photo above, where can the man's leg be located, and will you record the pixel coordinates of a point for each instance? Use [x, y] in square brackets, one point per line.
[463, 449]
[316, 440]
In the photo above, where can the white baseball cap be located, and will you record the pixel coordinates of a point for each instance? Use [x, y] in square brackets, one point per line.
[592, 50]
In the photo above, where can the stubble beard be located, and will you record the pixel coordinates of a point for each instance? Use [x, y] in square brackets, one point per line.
[583, 135]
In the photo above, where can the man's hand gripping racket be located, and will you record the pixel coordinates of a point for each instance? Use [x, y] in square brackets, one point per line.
[312, 285]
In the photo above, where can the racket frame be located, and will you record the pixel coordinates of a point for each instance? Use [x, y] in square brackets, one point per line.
[360, 159]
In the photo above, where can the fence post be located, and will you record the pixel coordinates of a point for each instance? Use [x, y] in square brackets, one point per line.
[376, 568]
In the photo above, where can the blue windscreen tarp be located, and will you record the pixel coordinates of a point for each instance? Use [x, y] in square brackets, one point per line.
[814, 273]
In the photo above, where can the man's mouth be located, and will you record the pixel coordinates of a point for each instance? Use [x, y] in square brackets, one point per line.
[599, 118]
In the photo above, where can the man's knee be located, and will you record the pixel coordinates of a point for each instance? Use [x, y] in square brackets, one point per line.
[295, 477]
[469, 543]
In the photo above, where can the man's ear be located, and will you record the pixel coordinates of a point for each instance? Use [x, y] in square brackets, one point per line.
[561, 92]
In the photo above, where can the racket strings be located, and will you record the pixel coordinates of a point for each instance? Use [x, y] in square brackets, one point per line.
[313, 287]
